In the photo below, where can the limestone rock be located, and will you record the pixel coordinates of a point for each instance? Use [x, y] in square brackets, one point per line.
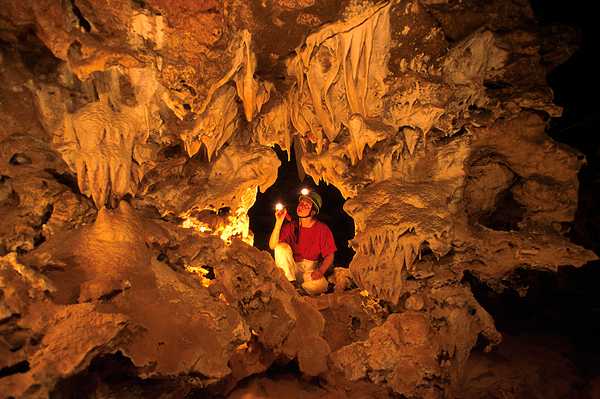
[411, 349]
[170, 314]
[93, 333]
[282, 320]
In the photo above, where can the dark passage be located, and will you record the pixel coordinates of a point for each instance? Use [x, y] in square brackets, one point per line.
[565, 304]
[545, 304]
[286, 190]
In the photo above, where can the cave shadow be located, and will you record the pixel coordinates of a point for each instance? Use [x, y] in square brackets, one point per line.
[565, 303]
[544, 303]
[286, 190]
[115, 376]
[575, 85]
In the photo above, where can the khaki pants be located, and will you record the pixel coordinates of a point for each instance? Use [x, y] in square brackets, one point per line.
[299, 271]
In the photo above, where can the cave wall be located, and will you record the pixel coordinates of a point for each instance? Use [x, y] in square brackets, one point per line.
[135, 137]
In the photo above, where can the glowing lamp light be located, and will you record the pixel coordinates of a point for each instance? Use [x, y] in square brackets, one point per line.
[279, 206]
[305, 191]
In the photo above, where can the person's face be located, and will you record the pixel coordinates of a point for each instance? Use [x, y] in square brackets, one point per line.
[304, 208]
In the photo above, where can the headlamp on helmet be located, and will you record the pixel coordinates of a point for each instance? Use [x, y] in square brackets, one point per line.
[313, 197]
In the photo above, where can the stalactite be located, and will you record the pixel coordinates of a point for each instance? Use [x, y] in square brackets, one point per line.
[362, 135]
[468, 64]
[273, 127]
[393, 221]
[215, 126]
[411, 136]
[98, 144]
[339, 74]
[105, 142]
[217, 119]
[252, 93]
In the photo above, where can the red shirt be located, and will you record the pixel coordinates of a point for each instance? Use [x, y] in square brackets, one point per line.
[314, 243]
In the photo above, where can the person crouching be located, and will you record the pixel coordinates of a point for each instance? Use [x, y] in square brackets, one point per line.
[304, 248]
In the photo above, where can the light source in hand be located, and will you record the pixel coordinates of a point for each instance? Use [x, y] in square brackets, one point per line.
[305, 191]
[279, 206]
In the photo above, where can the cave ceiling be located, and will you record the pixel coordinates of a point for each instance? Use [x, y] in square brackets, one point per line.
[136, 136]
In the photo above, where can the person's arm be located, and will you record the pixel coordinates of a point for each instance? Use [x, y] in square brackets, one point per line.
[328, 249]
[320, 272]
[279, 218]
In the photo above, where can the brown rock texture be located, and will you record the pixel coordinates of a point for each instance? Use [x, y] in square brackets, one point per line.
[135, 137]
[525, 366]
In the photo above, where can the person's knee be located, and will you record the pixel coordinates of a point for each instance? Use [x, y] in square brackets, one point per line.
[282, 249]
[284, 260]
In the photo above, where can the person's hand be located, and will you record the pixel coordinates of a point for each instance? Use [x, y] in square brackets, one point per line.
[316, 275]
[280, 215]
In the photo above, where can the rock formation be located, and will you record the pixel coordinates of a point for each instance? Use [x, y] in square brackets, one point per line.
[135, 138]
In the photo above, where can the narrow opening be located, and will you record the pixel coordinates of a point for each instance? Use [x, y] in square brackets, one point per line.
[36, 57]
[19, 159]
[286, 190]
[115, 371]
[127, 91]
[84, 23]
[139, 4]
[547, 304]
[18, 368]
[65, 179]
[173, 151]
[507, 215]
